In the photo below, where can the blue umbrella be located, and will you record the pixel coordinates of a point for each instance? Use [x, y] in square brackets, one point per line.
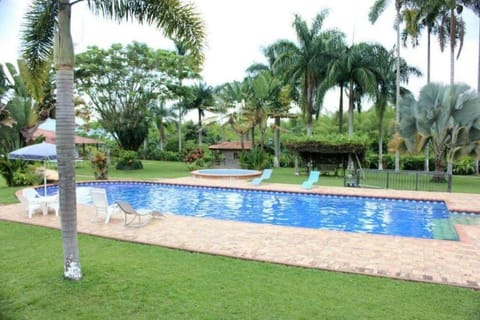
[40, 152]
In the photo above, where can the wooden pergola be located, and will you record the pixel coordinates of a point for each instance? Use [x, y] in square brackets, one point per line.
[327, 157]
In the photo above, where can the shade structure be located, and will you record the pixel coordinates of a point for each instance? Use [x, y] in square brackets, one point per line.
[37, 152]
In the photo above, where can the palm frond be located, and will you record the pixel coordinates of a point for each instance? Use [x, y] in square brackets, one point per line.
[376, 10]
[178, 21]
[38, 34]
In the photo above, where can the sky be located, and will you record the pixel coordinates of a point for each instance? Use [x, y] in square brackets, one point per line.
[238, 30]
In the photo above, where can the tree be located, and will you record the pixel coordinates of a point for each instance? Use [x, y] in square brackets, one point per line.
[355, 70]
[377, 8]
[200, 99]
[121, 82]
[306, 63]
[448, 116]
[47, 26]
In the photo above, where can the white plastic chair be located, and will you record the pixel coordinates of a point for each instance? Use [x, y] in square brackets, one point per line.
[34, 201]
[99, 198]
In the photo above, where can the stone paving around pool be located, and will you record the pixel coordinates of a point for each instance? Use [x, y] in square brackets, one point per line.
[439, 261]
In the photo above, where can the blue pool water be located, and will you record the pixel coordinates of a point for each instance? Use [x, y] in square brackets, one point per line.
[407, 218]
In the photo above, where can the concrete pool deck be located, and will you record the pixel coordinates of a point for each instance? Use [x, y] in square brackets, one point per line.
[437, 261]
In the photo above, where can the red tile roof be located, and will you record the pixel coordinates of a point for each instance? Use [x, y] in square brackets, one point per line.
[51, 137]
[247, 145]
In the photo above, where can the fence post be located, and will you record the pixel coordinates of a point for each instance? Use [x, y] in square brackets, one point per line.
[357, 182]
[416, 181]
[388, 180]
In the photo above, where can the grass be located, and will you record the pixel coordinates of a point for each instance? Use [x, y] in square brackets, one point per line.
[134, 281]
[131, 281]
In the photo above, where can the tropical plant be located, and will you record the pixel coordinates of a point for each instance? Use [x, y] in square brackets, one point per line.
[200, 99]
[46, 21]
[385, 92]
[99, 162]
[448, 116]
[375, 11]
[305, 62]
[281, 98]
[354, 70]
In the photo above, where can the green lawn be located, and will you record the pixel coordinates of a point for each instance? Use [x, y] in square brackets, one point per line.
[131, 281]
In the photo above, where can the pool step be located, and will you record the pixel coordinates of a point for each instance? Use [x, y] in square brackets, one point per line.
[443, 230]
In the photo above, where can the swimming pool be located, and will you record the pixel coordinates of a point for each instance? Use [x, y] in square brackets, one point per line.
[408, 218]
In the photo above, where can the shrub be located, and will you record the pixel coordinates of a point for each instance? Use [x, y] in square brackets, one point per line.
[128, 160]
[8, 168]
[26, 177]
[255, 159]
[464, 166]
[99, 162]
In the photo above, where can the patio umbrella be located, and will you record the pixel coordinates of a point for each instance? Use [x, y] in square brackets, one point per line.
[37, 152]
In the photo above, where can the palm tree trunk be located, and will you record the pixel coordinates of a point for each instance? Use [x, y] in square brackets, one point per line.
[452, 46]
[65, 126]
[276, 142]
[426, 163]
[380, 145]
[478, 71]
[162, 134]
[180, 129]
[397, 85]
[350, 109]
[340, 110]
[199, 127]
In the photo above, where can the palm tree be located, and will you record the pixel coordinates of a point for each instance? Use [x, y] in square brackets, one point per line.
[160, 114]
[385, 92]
[306, 63]
[377, 8]
[444, 115]
[354, 70]
[200, 99]
[47, 26]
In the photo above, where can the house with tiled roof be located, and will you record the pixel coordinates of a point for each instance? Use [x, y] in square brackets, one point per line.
[231, 152]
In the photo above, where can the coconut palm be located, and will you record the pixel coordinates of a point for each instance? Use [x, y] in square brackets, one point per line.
[47, 27]
[305, 62]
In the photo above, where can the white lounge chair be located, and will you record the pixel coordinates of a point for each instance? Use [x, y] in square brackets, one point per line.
[33, 201]
[267, 173]
[100, 201]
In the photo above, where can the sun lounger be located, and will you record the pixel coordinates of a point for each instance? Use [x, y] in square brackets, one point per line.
[267, 173]
[313, 178]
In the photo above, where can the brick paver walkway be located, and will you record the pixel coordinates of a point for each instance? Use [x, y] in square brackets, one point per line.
[439, 261]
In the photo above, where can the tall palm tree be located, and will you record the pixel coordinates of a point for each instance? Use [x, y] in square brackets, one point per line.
[47, 26]
[354, 70]
[377, 8]
[200, 99]
[305, 62]
[385, 92]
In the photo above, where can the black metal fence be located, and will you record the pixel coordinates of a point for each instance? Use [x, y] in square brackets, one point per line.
[400, 180]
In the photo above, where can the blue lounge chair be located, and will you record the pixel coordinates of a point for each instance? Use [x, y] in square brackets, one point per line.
[313, 178]
[267, 173]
